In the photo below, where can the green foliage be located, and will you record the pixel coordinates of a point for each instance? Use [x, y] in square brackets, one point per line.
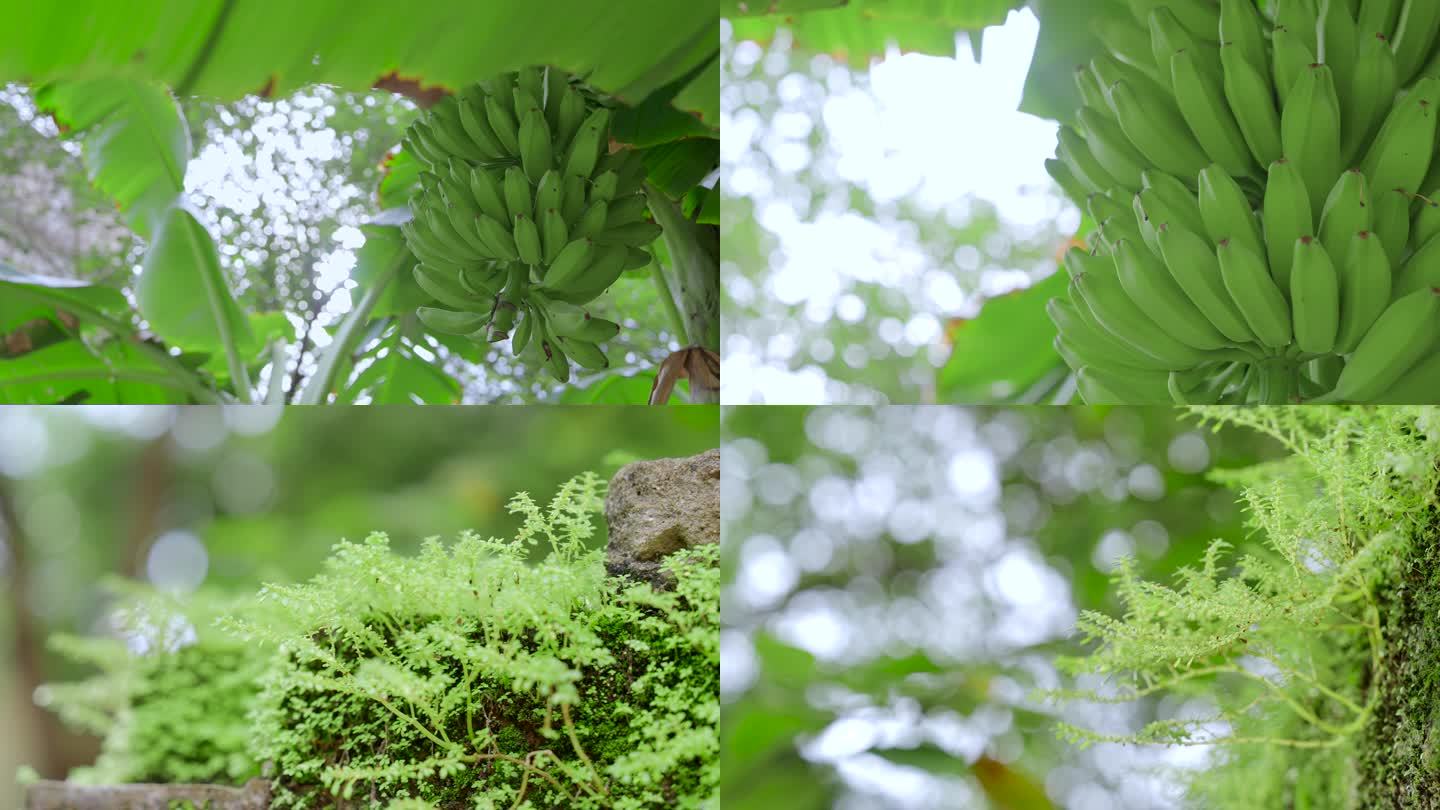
[1289, 639]
[466, 676]
[171, 698]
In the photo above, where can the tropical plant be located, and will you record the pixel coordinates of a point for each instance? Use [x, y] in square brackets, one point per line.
[226, 305]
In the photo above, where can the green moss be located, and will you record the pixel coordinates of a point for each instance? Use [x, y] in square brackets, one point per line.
[1400, 765]
[1318, 645]
[470, 677]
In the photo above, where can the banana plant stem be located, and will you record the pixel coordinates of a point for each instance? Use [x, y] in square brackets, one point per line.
[667, 299]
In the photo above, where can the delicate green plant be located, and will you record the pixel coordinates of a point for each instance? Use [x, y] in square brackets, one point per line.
[468, 676]
[171, 695]
[1288, 640]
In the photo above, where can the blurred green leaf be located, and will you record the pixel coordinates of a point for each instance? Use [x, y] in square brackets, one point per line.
[402, 176]
[629, 48]
[1066, 42]
[1009, 789]
[1005, 348]
[619, 390]
[182, 292]
[760, 8]
[384, 246]
[114, 373]
[677, 167]
[136, 145]
[29, 296]
[863, 30]
[400, 377]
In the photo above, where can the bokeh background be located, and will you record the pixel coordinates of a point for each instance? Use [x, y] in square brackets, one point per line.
[233, 497]
[900, 580]
[872, 207]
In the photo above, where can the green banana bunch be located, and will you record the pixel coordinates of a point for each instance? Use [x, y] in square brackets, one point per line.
[1267, 200]
[524, 215]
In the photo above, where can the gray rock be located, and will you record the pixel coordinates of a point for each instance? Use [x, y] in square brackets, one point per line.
[656, 508]
[47, 795]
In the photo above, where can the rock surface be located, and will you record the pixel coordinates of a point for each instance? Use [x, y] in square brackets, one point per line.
[49, 795]
[656, 508]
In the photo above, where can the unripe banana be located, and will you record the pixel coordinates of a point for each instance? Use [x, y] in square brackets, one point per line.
[1391, 218]
[1347, 212]
[1157, 131]
[548, 192]
[633, 235]
[535, 145]
[1060, 172]
[502, 123]
[1099, 386]
[1421, 270]
[605, 266]
[1407, 331]
[569, 264]
[1288, 216]
[524, 329]
[472, 118]
[1081, 162]
[1372, 91]
[1426, 223]
[1125, 321]
[488, 195]
[1255, 294]
[585, 150]
[595, 330]
[1151, 287]
[1401, 154]
[450, 323]
[1091, 345]
[1310, 132]
[572, 199]
[592, 222]
[527, 241]
[1226, 211]
[555, 360]
[1290, 57]
[1414, 38]
[1365, 285]
[1314, 297]
[572, 114]
[1203, 105]
[626, 210]
[1242, 28]
[1419, 386]
[519, 199]
[1296, 287]
[1128, 42]
[443, 287]
[1252, 100]
[587, 355]
[498, 237]
[1379, 16]
[1177, 201]
[1195, 268]
[1148, 232]
[553, 234]
[1200, 17]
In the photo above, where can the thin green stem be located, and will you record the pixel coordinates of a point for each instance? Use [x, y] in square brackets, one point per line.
[667, 299]
[319, 386]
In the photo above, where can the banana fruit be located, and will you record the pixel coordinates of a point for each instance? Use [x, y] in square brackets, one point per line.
[1267, 200]
[524, 215]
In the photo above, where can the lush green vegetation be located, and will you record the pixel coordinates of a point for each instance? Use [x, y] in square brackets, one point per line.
[465, 676]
